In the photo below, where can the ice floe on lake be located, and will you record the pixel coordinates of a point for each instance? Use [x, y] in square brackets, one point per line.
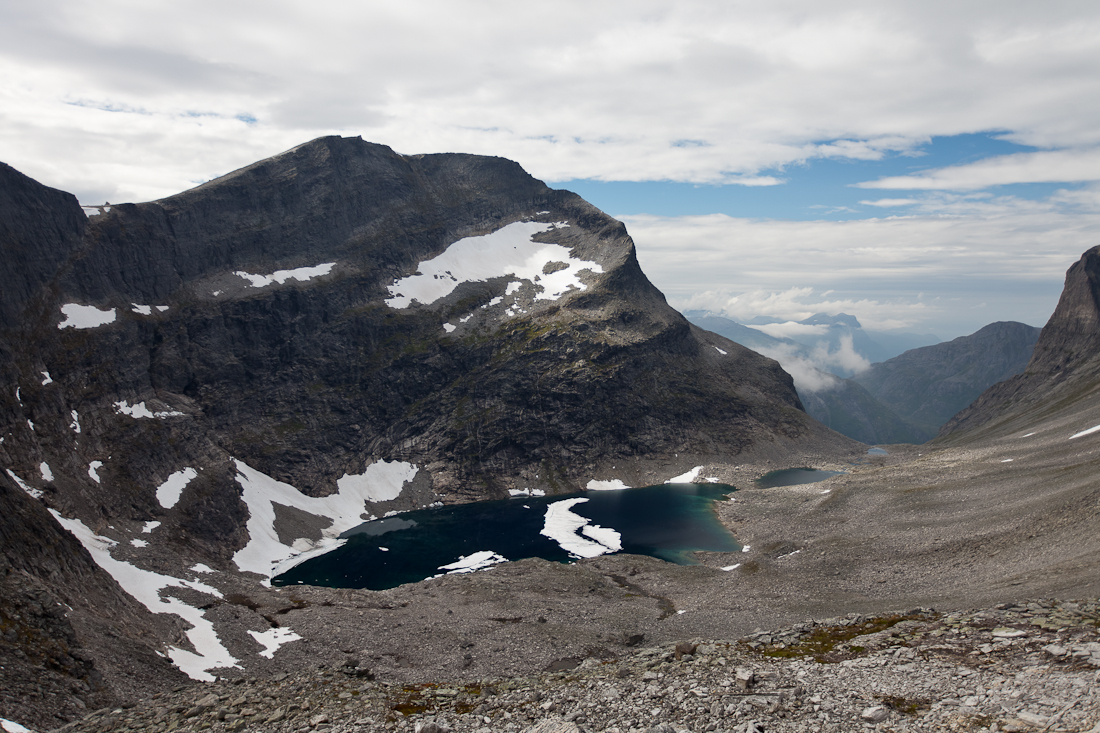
[267, 555]
[562, 526]
[281, 276]
[272, 639]
[170, 491]
[139, 410]
[146, 586]
[85, 316]
[507, 251]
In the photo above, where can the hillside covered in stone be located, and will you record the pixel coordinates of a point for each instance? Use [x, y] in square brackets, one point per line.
[202, 387]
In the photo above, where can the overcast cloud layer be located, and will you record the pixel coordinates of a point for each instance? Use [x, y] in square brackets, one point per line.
[125, 101]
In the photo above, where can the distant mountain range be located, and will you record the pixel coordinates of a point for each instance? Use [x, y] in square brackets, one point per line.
[904, 396]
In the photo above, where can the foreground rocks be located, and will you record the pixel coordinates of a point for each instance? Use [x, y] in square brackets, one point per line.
[1027, 667]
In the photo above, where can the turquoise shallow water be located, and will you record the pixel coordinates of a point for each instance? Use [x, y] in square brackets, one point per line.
[669, 521]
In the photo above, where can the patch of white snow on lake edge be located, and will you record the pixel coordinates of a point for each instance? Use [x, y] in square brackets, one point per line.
[686, 478]
[610, 485]
[476, 561]
[266, 555]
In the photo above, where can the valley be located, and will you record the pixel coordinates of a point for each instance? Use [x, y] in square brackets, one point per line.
[202, 390]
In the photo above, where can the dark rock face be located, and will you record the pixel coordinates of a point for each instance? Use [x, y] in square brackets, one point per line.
[1064, 367]
[927, 386]
[309, 379]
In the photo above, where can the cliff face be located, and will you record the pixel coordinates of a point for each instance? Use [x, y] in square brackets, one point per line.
[338, 306]
[1063, 372]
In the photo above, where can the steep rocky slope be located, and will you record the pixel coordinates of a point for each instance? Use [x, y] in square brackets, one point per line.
[848, 408]
[203, 386]
[1061, 378]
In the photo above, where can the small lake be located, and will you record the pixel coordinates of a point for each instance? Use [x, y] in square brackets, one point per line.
[793, 477]
[669, 521]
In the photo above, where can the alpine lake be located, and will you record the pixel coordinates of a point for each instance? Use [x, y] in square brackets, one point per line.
[666, 521]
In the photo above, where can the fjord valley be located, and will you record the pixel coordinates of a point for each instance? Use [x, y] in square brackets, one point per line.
[200, 392]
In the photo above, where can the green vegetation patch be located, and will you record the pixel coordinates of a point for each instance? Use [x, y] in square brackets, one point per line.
[829, 644]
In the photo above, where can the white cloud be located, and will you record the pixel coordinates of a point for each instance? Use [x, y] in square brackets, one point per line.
[120, 101]
[1050, 166]
[959, 263]
[890, 203]
[792, 329]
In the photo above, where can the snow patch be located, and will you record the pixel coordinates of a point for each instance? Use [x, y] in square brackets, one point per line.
[146, 586]
[562, 526]
[449, 327]
[281, 276]
[93, 467]
[507, 251]
[1085, 432]
[46, 379]
[1007, 460]
[728, 568]
[170, 491]
[686, 478]
[200, 568]
[746, 548]
[476, 561]
[272, 639]
[139, 543]
[525, 492]
[85, 316]
[140, 410]
[266, 555]
[611, 485]
[380, 482]
[35, 493]
[145, 310]
[10, 726]
[47, 474]
[148, 527]
[75, 424]
[723, 353]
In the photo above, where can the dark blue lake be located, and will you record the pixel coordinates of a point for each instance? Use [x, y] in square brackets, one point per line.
[669, 521]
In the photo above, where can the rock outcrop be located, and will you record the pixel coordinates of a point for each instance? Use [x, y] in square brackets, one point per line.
[1063, 374]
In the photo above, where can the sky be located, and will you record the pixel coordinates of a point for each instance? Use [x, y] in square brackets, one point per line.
[925, 166]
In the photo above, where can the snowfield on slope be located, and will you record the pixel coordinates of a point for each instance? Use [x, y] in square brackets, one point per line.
[507, 251]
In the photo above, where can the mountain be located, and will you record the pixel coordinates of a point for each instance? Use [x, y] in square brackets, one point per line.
[851, 410]
[1060, 385]
[927, 386]
[202, 387]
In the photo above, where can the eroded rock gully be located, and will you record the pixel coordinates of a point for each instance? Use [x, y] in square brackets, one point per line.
[1026, 667]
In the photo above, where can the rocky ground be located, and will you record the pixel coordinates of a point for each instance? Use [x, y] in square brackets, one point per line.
[1026, 667]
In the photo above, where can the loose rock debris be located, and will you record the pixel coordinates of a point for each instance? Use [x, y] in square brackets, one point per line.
[1027, 667]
